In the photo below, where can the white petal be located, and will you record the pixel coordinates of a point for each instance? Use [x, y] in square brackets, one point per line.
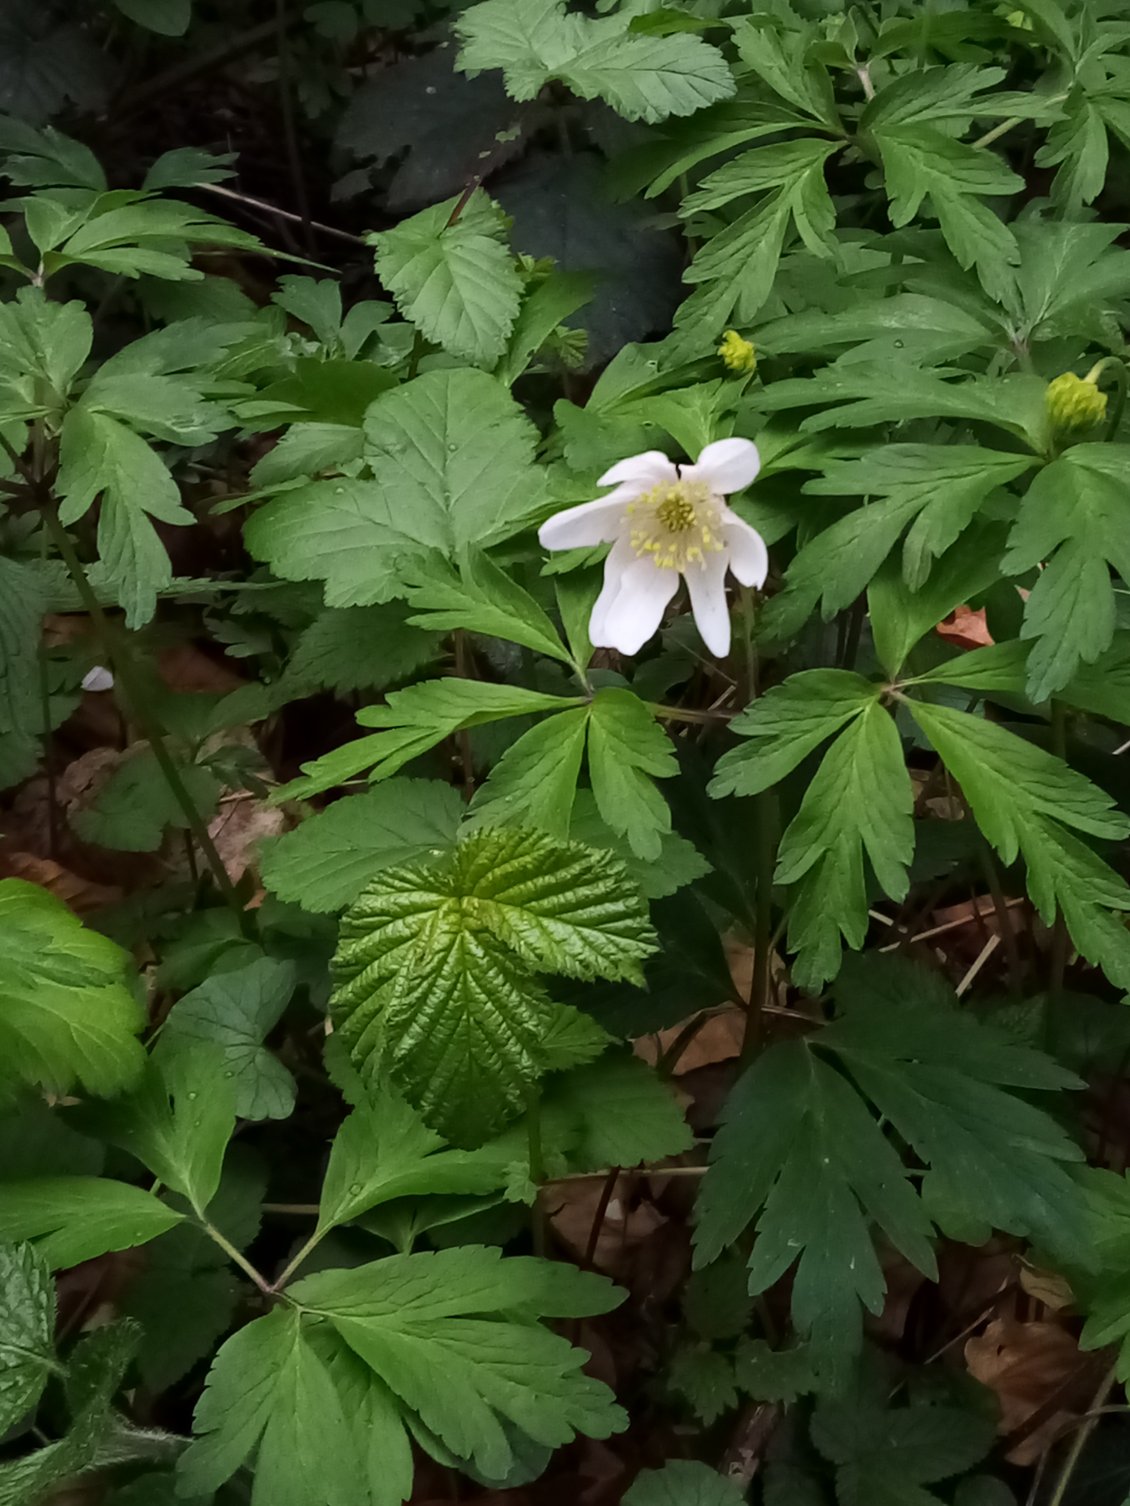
[635, 614]
[726, 465]
[707, 586]
[596, 522]
[98, 678]
[620, 556]
[647, 470]
[749, 558]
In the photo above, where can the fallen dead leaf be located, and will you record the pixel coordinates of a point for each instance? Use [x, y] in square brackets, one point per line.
[1026, 1364]
[82, 894]
[718, 1039]
[241, 825]
[966, 628]
[1047, 1287]
[572, 1207]
[186, 669]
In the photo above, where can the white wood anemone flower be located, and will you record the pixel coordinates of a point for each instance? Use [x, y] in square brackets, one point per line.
[666, 522]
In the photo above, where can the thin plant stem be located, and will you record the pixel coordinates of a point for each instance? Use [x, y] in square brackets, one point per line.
[237, 1257]
[118, 655]
[991, 870]
[290, 129]
[765, 855]
[306, 1250]
[537, 1171]
[599, 1216]
[1079, 1442]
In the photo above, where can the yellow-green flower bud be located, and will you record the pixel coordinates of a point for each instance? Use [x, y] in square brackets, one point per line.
[1018, 19]
[1074, 403]
[737, 353]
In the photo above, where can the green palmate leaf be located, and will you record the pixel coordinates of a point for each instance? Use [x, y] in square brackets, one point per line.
[360, 648]
[72, 1219]
[627, 750]
[22, 605]
[384, 1150]
[99, 456]
[787, 724]
[801, 1152]
[682, 1483]
[27, 1326]
[324, 864]
[452, 456]
[929, 493]
[235, 1011]
[919, 160]
[416, 719]
[482, 598]
[534, 783]
[435, 968]
[883, 1456]
[1027, 802]
[67, 1011]
[641, 77]
[452, 274]
[446, 1345]
[1074, 520]
[135, 807]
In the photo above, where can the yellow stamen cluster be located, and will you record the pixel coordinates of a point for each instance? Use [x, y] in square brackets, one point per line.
[676, 524]
[737, 354]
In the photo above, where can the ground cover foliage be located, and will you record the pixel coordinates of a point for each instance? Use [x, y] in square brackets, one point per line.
[484, 1016]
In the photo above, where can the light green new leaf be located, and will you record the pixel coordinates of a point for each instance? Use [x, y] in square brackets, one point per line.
[67, 1011]
[454, 1335]
[627, 750]
[325, 863]
[27, 1327]
[98, 455]
[72, 1219]
[235, 1011]
[787, 724]
[483, 599]
[1075, 521]
[455, 279]
[1024, 799]
[384, 1150]
[683, 1482]
[179, 1120]
[642, 77]
[434, 969]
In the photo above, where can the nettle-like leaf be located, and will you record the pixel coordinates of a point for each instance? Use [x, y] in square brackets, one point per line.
[452, 459]
[436, 969]
[859, 802]
[326, 1395]
[802, 1154]
[683, 1482]
[27, 1326]
[1030, 803]
[1074, 521]
[453, 276]
[642, 77]
[67, 1010]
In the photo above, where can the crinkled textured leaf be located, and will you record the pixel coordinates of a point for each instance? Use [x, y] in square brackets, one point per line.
[1024, 800]
[324, 863]
[642, 77]
[27, 1326]
[235, 1011]
[454, 279]
[22, 605]
[360, 648]
[1075, 520]
[67, 1011]
[73, 1219]
[434, 969]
